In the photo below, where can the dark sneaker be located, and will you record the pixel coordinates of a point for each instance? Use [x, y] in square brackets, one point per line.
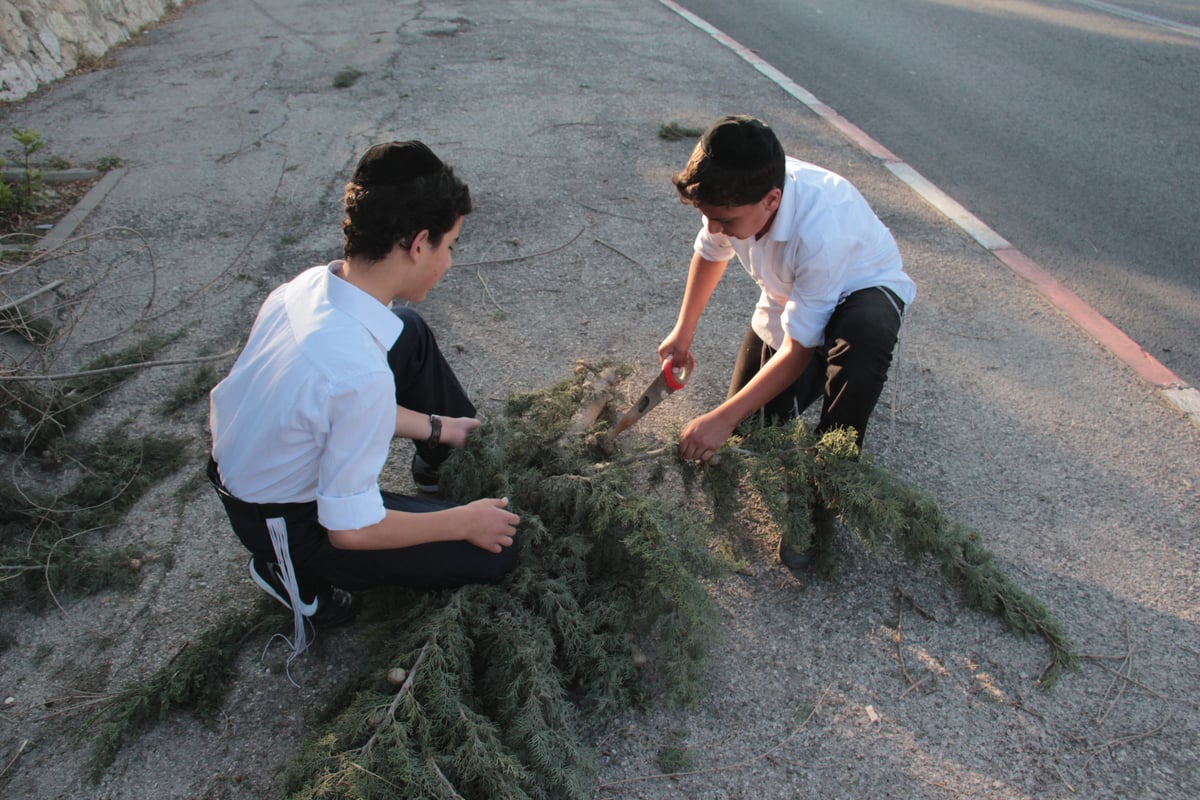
[819, 550]
[795, 560]
[331, 606]
[424, 475]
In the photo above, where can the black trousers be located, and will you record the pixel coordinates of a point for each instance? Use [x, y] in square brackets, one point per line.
[848, 369]
[426, 383]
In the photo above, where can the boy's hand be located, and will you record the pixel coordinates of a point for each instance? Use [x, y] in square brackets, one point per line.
[456, 429]
[676, 347]
[703, 436]
[489, 525]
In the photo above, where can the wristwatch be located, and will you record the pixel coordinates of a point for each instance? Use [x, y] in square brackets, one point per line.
[435, 429]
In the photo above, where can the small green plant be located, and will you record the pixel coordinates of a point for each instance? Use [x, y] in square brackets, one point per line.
[672, 759]
[346, 77]
[673, 132]
[29, 194]
[109, 163]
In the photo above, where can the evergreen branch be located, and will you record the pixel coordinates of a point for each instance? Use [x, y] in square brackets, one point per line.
[791, 468]
[195, 677]
[405, 688]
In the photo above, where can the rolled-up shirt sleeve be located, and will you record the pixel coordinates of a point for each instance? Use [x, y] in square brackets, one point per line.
[712, 246]
[362, 416]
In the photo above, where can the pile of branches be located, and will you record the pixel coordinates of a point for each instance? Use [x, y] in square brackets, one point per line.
[495, 691]
[493, 687]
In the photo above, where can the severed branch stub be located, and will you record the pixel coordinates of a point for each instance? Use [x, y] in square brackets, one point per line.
[600, 391]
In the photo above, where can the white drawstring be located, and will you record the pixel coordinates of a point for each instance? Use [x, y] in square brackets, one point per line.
[277, 526]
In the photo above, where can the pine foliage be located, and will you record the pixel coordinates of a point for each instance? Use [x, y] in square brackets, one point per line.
[492, 691]
[790, 468]
[196, 678]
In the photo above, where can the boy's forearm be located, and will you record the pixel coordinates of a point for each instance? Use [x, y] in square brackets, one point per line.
[412, 424]
[703, 277]
[401, 529]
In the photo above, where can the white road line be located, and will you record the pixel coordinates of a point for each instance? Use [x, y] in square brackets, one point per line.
[1138, 16]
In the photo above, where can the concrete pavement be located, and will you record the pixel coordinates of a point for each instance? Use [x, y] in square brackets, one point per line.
[1081, 478]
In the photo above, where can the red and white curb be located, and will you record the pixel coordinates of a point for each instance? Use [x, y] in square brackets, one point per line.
[1149, 369]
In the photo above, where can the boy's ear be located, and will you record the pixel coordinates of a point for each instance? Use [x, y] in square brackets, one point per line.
[772, 198]
[419, 242]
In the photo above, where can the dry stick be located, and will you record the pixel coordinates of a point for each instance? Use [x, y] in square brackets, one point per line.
[622, 255]
[49, 287]
[488, 291]
[174, 362]
[13, 760]
[564, 246]
[1133, 737]
[1126, 675]
[900, 638]
[390, 715]
[611, 213]
[739, 765]
[1157, 695]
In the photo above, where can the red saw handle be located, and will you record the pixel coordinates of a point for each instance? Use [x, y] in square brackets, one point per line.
[677, 377]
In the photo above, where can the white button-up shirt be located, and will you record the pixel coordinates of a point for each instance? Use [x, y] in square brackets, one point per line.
[824, 244]
[309, 409]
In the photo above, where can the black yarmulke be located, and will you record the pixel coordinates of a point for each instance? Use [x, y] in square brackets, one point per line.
[740, 142]
[394, 163]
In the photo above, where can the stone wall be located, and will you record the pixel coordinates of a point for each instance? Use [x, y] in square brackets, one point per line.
[42, 40]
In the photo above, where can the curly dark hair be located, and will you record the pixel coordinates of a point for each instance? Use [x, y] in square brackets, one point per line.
[380, 216]
[735, 163]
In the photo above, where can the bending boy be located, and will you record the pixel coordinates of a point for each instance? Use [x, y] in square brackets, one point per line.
[302, 425]
[833, 286]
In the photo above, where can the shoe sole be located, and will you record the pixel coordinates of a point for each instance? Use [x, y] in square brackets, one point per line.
[307, 609]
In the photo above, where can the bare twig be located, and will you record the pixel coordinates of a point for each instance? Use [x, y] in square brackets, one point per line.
[512, 259]
[1123, 678]
[1133, 737]
[900, 596]
[5, 378]
[488, 290]
[623, 255]
[49, 287]
[13, 760]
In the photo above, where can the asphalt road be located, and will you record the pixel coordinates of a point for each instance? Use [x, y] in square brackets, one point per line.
[1071, 128]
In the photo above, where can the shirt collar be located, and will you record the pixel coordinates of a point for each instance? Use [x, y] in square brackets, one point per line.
[378, 319]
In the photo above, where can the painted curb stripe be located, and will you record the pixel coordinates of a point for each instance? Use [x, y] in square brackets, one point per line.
[1171, 388]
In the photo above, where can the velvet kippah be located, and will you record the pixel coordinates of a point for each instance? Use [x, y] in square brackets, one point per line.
[393, 163]
[740, 142]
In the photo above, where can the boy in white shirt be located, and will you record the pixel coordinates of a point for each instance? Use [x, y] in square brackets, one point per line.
[833, 286]
[302, 425]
